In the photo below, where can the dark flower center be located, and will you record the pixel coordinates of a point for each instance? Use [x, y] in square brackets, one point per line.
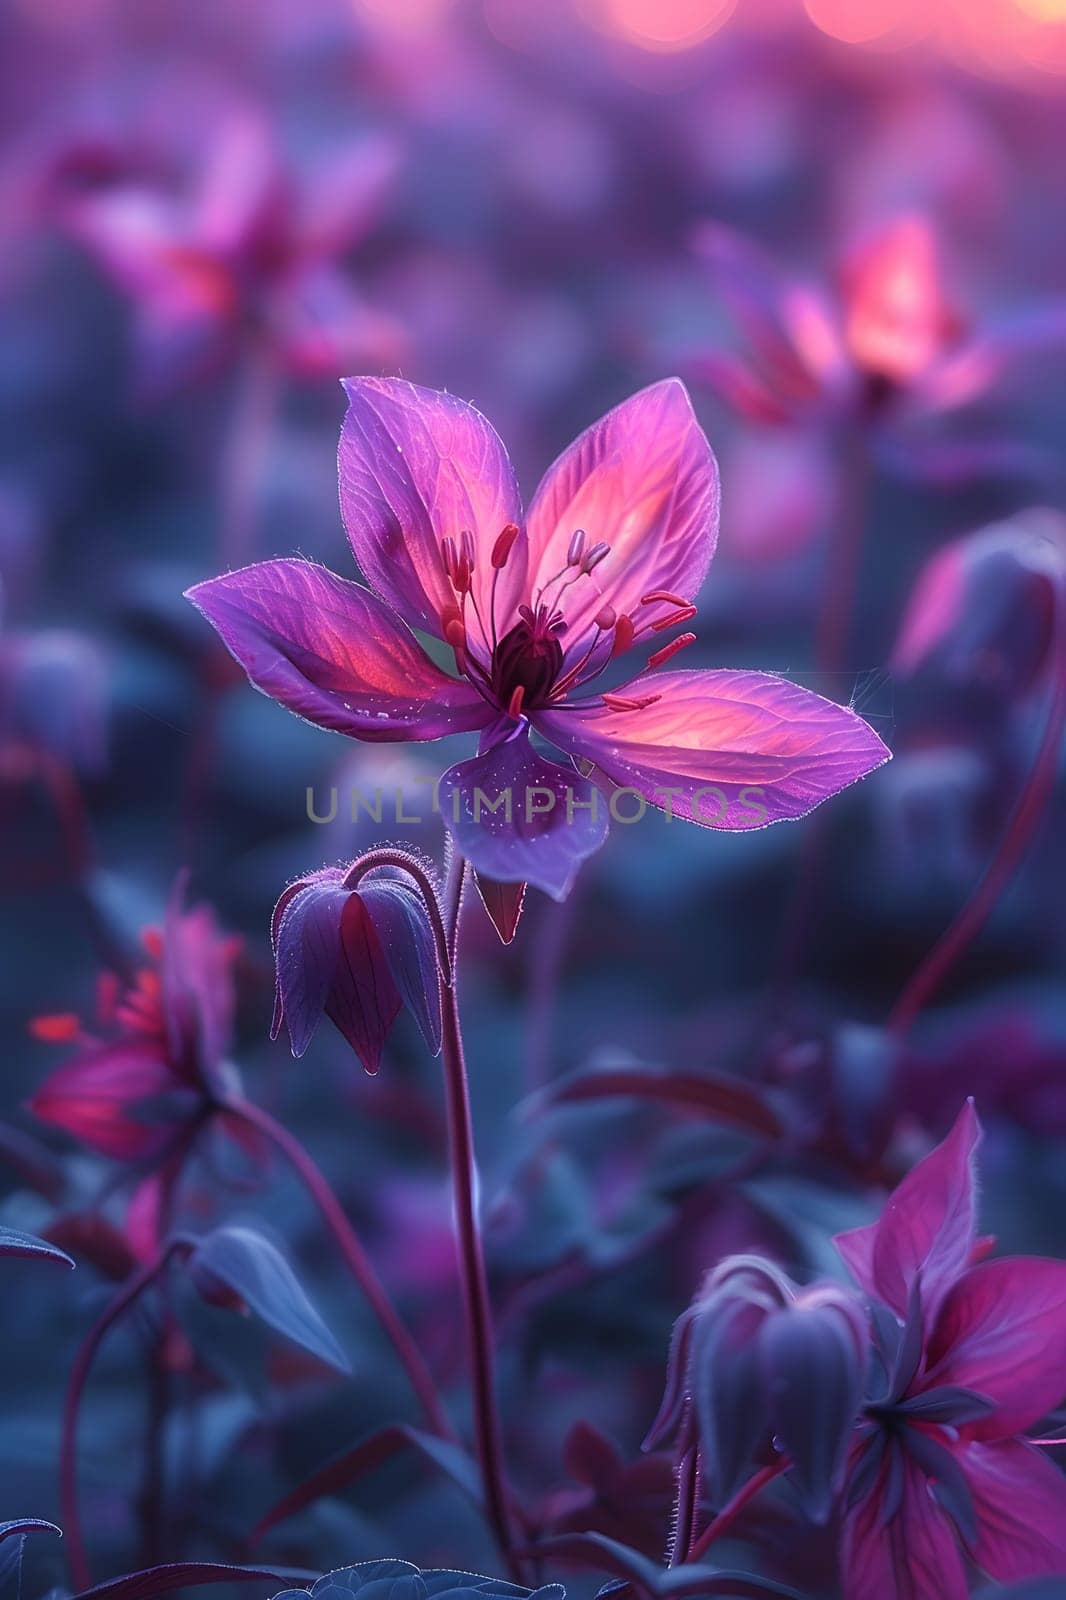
[528, 657]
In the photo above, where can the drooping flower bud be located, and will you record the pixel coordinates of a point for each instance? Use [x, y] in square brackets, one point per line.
[985, 608]
[764, 1364]
[358, 954]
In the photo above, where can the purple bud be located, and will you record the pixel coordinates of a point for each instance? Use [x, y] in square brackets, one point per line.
[985, 609]
[812, 1356]
[766, 1364]
[357, 955]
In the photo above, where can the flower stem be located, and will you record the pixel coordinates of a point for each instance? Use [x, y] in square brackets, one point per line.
[79, 1373]
[358, 1261]
[471, 1253]
[686, 1494]
[844, 555]
[1017, 837]
[729, 1514]
[255, 404]
[444, 921]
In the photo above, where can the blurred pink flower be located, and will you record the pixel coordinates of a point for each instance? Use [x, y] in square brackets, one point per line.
[245, 249]
[134, 1091]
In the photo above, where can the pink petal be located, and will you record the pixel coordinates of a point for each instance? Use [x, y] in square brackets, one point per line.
[241, 193]
[897, 319]
[738, 749]
[929, 1224]
[1002, 1331]
[343, 195]
[856, 1250]
[104, 1096]
[335, 654]
[911, 1556]
[417, 466]
[644, 481]
[1020, 1497]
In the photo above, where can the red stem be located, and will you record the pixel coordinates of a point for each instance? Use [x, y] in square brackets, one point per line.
[686, 1496]
[844, 556]
[358, 1261]
[729, 1514]
[471, 1253]
[79, 1373]
[481, 1347]
[1018, 836]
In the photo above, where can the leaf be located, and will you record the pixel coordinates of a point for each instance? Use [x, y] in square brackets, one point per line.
[723, 1098]
[151, 1581]
[649, 1578]
[369, 1454]
[28, 1525]
[399, 1580]
[243, 1261]
[14, 1243]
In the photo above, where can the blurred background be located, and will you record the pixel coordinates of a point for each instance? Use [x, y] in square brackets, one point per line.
[843, 223]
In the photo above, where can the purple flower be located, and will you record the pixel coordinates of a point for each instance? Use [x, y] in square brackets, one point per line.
[885, 333]
[973, 1351]
[757, 1359]
[132, 1090]
[244, 248]
[535, 609]
[356, 954]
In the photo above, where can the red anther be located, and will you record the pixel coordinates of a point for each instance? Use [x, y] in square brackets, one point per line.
[682, 642]
[514, 705]
[618, 702]
[450, 555]
[576, 551]
[504, 544]
[675, 618]
[455, 633]
[594, 556]
[664, 596]
[152, 939]
[58, 1028]
[466, 546]
[624, 633]
[605, 618]
[461, 578]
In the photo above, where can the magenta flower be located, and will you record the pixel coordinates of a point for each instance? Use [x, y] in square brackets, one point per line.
[882, 342]
[535, 610]
[136, 1088]
[244, 248]
[942, 1469]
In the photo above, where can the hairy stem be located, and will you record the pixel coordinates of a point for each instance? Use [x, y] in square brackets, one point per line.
[481, 1348]
[471, 1253]
[686, 1493]
[351, 1248]
[729, 1514]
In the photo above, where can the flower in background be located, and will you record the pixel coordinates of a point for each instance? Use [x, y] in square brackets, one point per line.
[139, 1090]
[758, 1363]
[535, 610]
[986, 610]
[53, 698]
[244, 251]
[886, 338]
[941, 1467]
